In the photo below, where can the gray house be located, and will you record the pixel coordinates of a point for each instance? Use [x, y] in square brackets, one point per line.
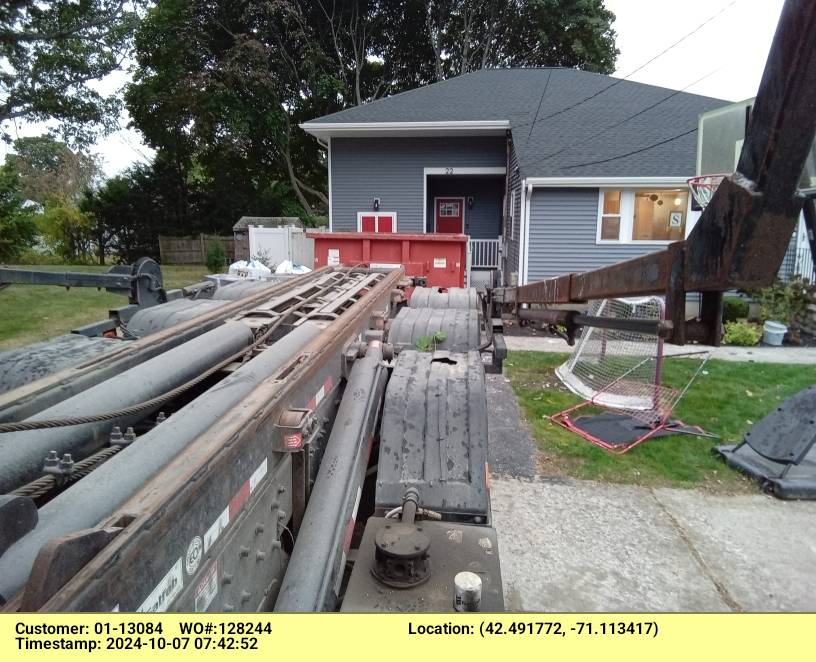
[547, 170]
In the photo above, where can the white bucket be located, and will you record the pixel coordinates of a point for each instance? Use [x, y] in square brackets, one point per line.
[773, 333]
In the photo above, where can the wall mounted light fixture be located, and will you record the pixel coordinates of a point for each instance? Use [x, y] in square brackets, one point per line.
[376, 204]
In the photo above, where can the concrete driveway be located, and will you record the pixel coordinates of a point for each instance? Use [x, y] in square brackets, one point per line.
[572, 545]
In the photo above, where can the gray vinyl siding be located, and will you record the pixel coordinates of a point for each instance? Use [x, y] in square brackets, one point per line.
[483, 220]
[563, 227]
[512, 240]
[392, 169]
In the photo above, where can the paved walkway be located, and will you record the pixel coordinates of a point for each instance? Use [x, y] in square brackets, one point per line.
[760, 354]
[570, 545]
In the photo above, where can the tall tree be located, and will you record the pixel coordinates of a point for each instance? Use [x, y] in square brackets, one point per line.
[51, 52]
[17, 228]
[223, 84]
[466, 35]
[220, 82]
[50, 170]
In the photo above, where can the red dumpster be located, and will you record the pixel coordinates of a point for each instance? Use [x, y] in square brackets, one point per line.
[441, 258]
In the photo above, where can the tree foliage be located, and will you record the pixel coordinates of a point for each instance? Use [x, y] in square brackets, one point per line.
[18, 230]
[221, 86]
[50, 170]
[67, 231]
[51, 52]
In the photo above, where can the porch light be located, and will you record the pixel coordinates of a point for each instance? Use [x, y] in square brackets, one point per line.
[376, 204]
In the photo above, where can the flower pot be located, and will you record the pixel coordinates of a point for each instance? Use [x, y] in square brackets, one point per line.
[773, 333]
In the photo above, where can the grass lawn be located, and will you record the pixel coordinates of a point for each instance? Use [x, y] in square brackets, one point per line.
[725, 399]
[30, 313]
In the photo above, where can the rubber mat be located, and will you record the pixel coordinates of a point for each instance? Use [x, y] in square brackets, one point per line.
[622, 430]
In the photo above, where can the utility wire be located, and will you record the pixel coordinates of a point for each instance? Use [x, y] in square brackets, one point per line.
[540, 101]
[618, 81]
[636, 151]
[623, 121]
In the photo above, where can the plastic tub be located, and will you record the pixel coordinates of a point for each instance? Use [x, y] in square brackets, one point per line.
[773, 333]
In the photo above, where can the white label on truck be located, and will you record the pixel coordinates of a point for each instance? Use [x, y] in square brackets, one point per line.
[257, 476]
[169, 587]
[334, 257]
[215, 530]
[440, 263]
[207, 589]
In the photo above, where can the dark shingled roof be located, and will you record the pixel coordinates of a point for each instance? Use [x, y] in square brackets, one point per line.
[638, 126]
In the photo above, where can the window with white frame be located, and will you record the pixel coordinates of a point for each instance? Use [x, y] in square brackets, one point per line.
[642, 215]
[450, 209]
[512, 211]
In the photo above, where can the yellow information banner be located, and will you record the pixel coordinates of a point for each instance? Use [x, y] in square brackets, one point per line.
[394, 637]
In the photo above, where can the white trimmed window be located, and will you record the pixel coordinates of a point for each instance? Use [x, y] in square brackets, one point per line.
[640, 215]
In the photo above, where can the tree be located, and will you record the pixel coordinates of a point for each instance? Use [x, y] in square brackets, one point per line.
[51, 52]
[221, 85]
[226, 82]
[466, 35]
[17, 228]
[49, 169]
[67, 231]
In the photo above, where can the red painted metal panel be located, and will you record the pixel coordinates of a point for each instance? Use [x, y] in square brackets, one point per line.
[441, 258]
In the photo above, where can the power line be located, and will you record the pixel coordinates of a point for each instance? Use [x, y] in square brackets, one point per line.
[618, 81]
[636, 151]
[540, 101]
[546, 157]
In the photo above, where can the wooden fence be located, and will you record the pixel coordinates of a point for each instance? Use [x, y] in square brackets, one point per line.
[193, 250]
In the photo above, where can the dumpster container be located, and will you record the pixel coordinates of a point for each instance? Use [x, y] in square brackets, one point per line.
[441, 258]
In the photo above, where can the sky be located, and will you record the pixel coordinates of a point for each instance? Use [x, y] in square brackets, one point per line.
[723, 45]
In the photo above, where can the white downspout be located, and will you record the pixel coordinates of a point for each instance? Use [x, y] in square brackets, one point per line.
[329, 158]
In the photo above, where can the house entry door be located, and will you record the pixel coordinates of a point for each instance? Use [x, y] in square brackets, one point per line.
[450, 215]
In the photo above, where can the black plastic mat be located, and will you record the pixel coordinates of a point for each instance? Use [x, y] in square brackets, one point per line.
[623, 430]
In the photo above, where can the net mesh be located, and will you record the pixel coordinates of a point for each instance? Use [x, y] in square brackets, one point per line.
[704, 186]
[619, 369]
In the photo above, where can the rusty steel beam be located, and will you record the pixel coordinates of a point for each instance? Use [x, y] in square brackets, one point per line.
[552, 290]
[640, 275]
[572, 319]
[161, 518]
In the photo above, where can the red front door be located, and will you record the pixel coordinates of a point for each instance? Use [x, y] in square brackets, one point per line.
[450, 215]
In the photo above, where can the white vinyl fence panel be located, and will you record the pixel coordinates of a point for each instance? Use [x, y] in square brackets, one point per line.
[274, 245]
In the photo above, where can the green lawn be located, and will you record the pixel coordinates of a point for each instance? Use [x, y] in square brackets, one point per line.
[725, 399]
[29, 313]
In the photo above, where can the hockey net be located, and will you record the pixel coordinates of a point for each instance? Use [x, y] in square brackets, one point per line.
[620, 369]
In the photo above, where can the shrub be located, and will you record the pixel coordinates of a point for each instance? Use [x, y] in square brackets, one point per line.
[782, 302]
[743, 334]
[734, 308]
[67, 231]
[37, 256]
[216, 257]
